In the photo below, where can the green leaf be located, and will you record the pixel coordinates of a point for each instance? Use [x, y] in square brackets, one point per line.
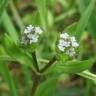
[81, 5]
[71, 29]
[10, 29]
[42, 8]
[3, 4]
[50, 19]
[7, 76]
[91, 25]
[17, 53]
[74, 66]
[27, 80]
[46, 88]
[83, 22]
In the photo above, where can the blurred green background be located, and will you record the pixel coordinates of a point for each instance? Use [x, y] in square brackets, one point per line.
[77, 17]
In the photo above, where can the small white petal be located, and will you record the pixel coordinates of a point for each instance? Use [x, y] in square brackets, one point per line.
[64, 43]
[71, 52]
[75, 44]
[38, 30]
[33, 40]
[31, 36]
[29, 28]
[61, 48]
[72, 39]
[26, 31]
[64, 36]
[61, 42]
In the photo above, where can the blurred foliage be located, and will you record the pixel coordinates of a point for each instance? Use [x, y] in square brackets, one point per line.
[17, 67]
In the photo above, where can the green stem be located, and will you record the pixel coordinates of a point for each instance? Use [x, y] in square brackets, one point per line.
[88, 75]
[35, 77]
[36, 82]
[49, 64]
[35, 60]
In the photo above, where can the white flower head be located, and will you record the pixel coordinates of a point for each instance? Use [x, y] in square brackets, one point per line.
[31, 35]
[67, 44]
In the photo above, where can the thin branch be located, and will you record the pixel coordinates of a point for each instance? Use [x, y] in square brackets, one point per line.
[35, 60]
[35, 77]
[88, 75]
[36, 82]
[52, 61]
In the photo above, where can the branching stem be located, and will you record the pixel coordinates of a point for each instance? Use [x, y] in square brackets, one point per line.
[51, 62]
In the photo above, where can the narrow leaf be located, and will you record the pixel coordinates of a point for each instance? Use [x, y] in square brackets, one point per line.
[7, 76]
[74, 66]
[83, 22]
[10, 29]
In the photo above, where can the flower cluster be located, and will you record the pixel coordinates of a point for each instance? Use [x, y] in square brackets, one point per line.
[67, 44]
[31, 35]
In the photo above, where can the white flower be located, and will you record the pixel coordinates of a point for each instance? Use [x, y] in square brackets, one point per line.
[73, 39]
[61, 42]
[75, 44]
[38, 30]
[71, 52]
[64, 43]
[28, 29]
[67, 44]
[31, 35]
[33, 40]
[61, 48]
[64, 36]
